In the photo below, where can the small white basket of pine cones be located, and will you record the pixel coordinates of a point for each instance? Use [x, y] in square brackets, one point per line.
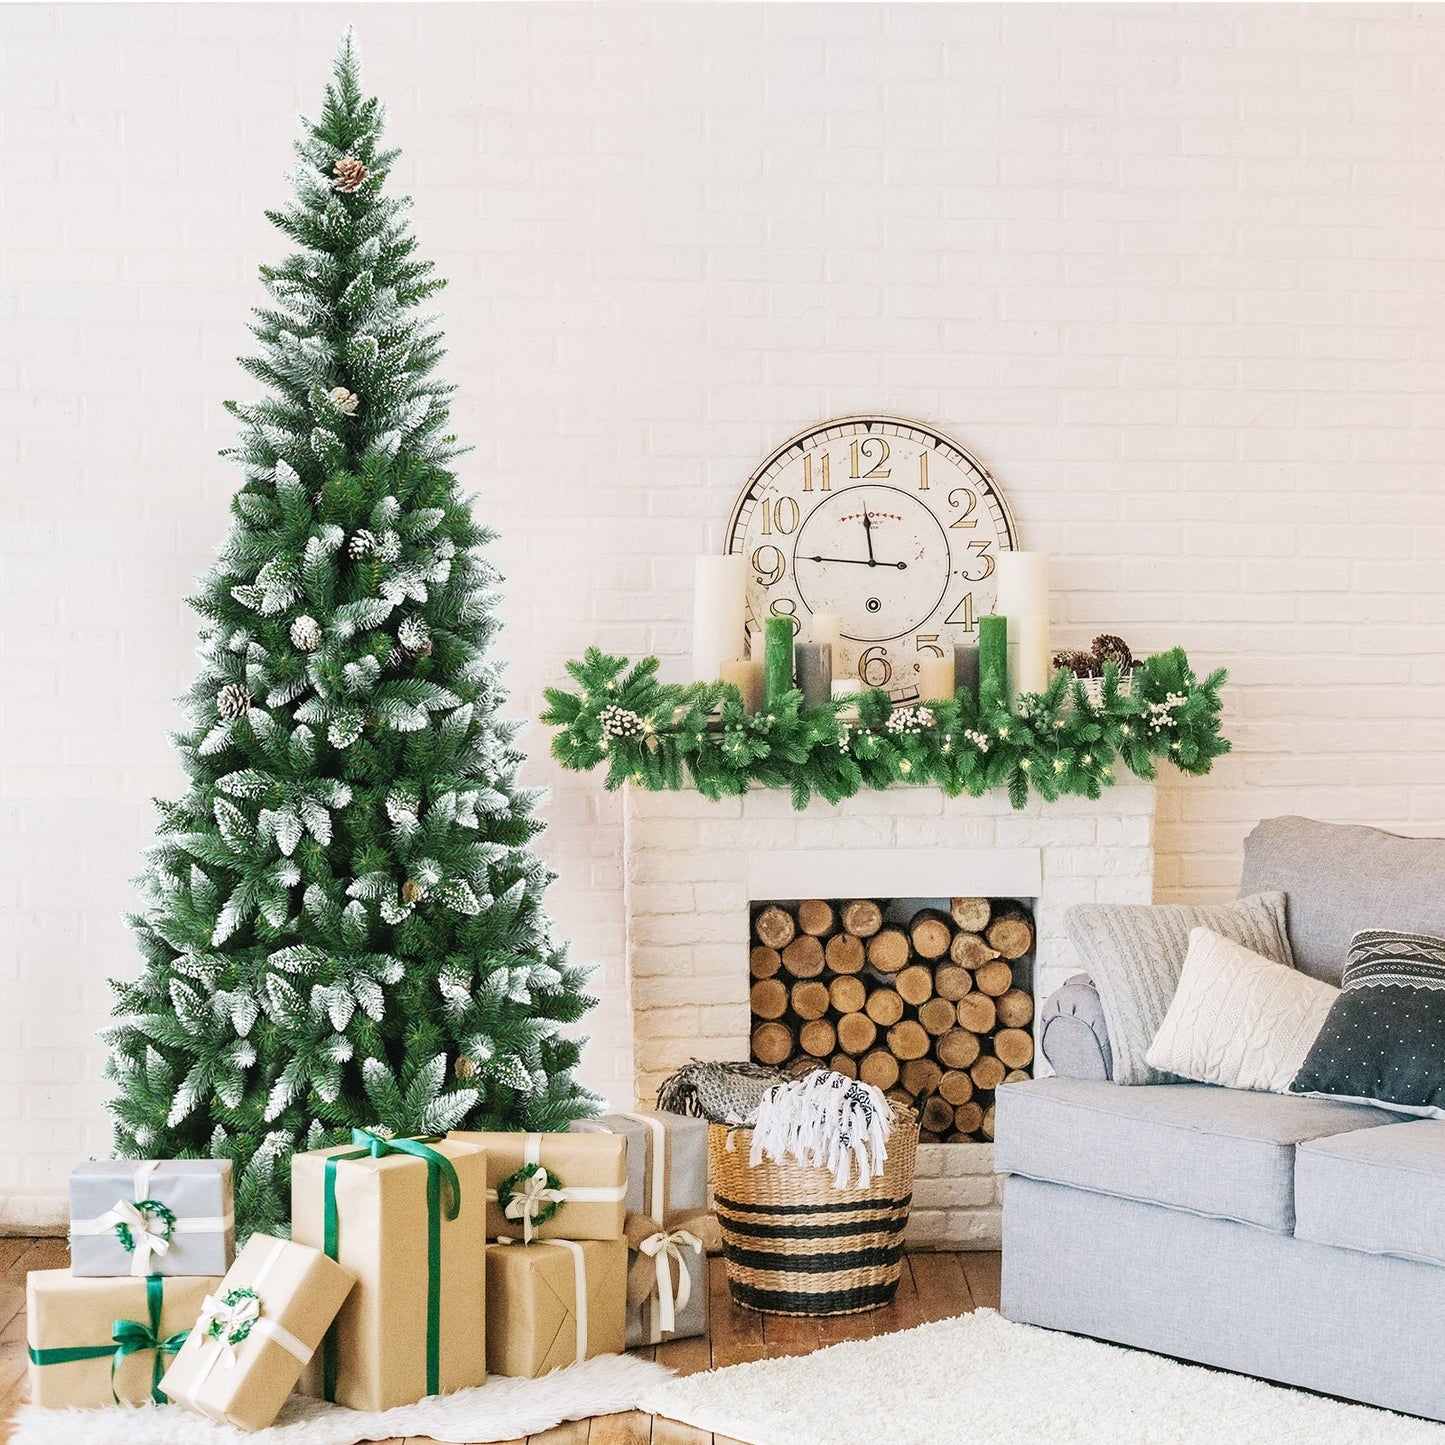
[1088, 667]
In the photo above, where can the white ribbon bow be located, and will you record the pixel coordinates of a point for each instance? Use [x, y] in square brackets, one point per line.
[661, 1247]
[146, 1240]
[526, 1203]
[232, 1319]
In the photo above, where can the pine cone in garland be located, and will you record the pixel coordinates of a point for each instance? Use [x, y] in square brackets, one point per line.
[350, 173]
[306, 634]
[1081, 664]
[360, 544]
[1108, 648]
[344, 401]
[233, 700]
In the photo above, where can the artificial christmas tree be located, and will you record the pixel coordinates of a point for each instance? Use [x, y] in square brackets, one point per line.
[343, 923]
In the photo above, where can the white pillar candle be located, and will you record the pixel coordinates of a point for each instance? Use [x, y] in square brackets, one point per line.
[824, 627]
[1032, 668]
[847, 687]
[1023, 585]
[719, 612]
[747, 677]
[935, 679]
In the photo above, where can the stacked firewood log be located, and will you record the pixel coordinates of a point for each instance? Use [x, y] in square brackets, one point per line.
[935, 1011]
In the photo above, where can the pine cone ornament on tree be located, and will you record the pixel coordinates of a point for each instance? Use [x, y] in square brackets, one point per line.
[306, 634]
[414, 637]
[349, 173]
[1108, 648]
[344, 401]
[464, 1068]
[412, 891]
[233, 700]
[360, 544]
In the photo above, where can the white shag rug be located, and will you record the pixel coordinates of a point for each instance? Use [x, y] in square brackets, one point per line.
[980, 1377]
[502, 1409]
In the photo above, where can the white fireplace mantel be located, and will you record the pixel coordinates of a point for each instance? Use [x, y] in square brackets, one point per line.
[694, 866]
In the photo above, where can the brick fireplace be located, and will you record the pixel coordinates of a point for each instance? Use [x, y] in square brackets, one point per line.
[695, 871]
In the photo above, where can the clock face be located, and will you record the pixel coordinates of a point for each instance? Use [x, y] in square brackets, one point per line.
[888, 525]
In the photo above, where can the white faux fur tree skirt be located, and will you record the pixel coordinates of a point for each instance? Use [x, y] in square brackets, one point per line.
[980, 1378]
[502, 1409]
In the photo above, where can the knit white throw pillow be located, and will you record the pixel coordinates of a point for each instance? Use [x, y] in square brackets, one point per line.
[1238, 1019]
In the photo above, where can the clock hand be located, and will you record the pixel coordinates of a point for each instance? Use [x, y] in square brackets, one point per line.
[857, 562]
[868, 533]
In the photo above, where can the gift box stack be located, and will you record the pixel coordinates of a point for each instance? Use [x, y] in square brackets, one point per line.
[155, 1298]
[415, 1267]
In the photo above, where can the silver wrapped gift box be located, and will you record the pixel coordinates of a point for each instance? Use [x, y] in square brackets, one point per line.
[666, 1160]
[151, 1216]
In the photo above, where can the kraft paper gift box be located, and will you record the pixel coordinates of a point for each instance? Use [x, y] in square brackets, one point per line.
[666, 1160]
[105, 1341]
[554, 1303]
[587, 1201]
[255, 1332]
[154, 1216]
[407, 1218]
[666, 1279]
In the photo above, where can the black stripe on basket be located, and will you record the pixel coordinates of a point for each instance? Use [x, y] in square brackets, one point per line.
[831, 1263]
[846, 1207]
[764, 1229]
[834, 1302]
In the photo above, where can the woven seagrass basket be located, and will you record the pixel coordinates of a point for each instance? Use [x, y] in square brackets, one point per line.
[795, 1245]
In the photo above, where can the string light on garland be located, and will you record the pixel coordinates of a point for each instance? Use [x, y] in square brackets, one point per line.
[1059, 742]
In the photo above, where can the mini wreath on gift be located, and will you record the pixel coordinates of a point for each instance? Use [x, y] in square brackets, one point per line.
[531, 1196]
[241, 1308]
[160, 1221]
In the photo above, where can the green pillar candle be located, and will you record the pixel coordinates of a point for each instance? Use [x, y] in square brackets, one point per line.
[777, 659]
[992, 660]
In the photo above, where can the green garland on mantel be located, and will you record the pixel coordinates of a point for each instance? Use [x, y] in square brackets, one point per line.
[662, 736]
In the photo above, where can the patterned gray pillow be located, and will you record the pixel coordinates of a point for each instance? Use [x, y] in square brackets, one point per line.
[1135, 953]
[1384, 1040]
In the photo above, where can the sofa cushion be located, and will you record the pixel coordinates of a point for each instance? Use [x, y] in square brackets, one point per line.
[1239, 1020]
[1134, 953]
[1339, 879]
[1384, 1039]
[1222, 1152]
[1377, 1190]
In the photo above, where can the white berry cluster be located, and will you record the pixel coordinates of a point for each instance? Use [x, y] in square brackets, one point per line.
[1161, 714]
[978, 739]
[911, 720]
[619, 722]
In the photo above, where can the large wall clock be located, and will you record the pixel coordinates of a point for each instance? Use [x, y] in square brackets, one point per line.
[887, 523]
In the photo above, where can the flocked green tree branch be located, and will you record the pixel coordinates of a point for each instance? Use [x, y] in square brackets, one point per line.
[1056, 743]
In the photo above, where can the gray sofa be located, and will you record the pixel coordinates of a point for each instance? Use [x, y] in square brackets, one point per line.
[1300, 1240]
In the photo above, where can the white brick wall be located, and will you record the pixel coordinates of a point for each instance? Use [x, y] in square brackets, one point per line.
[1175, 273]
[688, 863]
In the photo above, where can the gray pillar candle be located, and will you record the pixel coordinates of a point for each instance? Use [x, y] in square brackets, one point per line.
[965, 670]
[814, 663]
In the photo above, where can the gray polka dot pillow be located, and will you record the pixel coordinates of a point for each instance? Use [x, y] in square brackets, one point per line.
[1383, 1041]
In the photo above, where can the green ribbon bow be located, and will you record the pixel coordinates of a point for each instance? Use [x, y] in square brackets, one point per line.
[443, 1191]
[128, 1337]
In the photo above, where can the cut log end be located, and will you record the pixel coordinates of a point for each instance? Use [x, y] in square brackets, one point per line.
[816, 916]
[888, 950]
[772, 1043]
[994, 978]
[862, 917]
[803, 957]
[970, 914]
[774, 926]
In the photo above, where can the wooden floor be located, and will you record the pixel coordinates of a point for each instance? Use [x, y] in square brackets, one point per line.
[933, 1286]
